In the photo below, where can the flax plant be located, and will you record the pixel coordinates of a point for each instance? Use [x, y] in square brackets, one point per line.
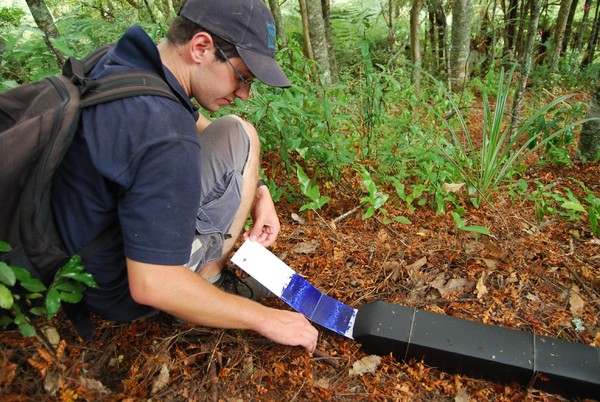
[500, 155]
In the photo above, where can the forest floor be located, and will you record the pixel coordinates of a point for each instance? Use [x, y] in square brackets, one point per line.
[529, 275]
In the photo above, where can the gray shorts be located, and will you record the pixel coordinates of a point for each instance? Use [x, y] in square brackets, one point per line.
[224, 152]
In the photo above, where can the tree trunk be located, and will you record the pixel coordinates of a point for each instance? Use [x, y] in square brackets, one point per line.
[510, 21]
[569, 26]
[591, 46]
[462, 17]
[442, 28]
[45, 23]
[415, 50]
[437, 36]
[584, 22]
[318, 42]
[520, 26]
[589, 141]
[387, 14]
[391, 32]
[276, 11]
[306, 30]
[434, 65]
[559, 33]
[329, 39]
[534, 17]
[492, 46]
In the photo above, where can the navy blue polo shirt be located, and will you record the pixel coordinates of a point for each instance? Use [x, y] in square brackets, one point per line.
[134, 161]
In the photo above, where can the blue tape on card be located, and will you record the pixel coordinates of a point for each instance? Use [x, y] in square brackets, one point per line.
[296, 291]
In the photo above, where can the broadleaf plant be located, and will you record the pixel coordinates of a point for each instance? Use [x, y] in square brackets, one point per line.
[19, 292]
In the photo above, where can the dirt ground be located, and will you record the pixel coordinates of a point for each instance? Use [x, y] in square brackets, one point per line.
[529, 275]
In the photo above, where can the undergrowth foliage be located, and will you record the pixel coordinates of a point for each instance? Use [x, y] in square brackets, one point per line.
[416, 141]
[23, 297]
[405, 145]
[413, 141]
[501, 155]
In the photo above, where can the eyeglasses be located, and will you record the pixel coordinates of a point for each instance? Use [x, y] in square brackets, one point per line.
[243, 79]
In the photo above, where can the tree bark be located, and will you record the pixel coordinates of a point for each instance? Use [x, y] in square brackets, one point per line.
[415, 49]
[325, 6]
[591, 46]
[437, 19]
[510, 21]
[276, 11]
[389, 22]
[45, 22]
[442, 28]
[584, 22]
[432, 38]
[306, 30]
[569, 26]
[462, 17]
[589, 140]
[318, 42]
[559, 33]
[534, 18]
[520, 26]
[492, 47]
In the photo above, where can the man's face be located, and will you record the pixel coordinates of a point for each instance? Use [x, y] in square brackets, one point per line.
[219, 83]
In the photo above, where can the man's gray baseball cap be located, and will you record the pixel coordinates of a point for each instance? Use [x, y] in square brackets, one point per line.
[249, 25]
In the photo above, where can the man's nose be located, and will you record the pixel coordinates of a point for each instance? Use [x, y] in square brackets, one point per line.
[243, 92]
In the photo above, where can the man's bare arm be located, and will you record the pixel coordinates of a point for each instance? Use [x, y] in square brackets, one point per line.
[180, 292]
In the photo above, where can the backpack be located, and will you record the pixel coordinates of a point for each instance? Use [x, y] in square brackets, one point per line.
[37, 124]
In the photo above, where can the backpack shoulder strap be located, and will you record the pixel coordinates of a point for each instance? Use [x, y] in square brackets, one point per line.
[78, 70]
[123, 85]
[116, 86]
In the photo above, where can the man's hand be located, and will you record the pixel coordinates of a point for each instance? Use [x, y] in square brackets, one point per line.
[266, 223]
[289, 328]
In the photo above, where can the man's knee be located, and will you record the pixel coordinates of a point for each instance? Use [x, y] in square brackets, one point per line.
[233, 135]
[246, 128]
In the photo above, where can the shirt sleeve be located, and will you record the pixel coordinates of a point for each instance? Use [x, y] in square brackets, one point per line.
[149, 149]
[158, 212]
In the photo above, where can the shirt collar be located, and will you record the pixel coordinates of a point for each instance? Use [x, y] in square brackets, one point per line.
[137, 50]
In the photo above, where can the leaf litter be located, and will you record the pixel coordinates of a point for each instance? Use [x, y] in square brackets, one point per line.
[530, 276]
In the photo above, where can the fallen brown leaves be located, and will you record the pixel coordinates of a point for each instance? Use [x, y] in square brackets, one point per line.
[530, 275]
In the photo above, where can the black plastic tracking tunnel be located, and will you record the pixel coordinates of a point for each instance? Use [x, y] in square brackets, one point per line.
[461, 346]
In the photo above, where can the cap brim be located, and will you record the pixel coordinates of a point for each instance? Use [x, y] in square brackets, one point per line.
[265, 68]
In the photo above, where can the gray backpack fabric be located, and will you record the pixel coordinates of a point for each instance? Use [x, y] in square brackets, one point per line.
[37, 124]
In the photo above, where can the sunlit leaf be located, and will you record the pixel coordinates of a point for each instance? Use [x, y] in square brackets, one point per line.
[87, 279]
[7, 275]
[26, 329]
[573, 206]
[403, 219]
[52, 302]
[33, 285]
[21, 273]
[6, 297]
[71, 297]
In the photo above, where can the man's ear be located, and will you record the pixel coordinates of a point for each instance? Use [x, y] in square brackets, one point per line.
[200, 46]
